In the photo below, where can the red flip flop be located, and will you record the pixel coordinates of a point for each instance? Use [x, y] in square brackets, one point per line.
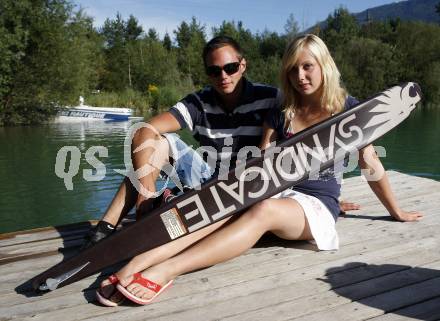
[139, 279]
[113, 279]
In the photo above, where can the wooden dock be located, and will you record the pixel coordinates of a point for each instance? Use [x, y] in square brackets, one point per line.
[384, 270]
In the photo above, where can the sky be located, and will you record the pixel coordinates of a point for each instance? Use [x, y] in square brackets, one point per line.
[256, 15]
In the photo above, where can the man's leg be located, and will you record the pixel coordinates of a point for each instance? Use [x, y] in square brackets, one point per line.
[127, 196]
[122, 203]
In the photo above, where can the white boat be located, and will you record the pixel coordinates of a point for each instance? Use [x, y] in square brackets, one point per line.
[106, 113]
[91, 112]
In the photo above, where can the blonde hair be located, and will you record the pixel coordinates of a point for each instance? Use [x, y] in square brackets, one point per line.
[333, 94]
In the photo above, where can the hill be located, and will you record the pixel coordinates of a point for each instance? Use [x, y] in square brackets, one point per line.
[414, 10]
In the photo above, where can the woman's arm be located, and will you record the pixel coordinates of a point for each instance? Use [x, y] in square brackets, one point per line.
[379, 183]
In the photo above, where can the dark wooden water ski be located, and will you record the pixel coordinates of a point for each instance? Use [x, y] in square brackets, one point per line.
[292, 161]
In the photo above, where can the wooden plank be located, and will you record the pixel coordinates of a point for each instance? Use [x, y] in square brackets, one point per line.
[283, 250]
[397, 180]
[28, 236]
[45, 245]
[369, 199]
[399, 188]
[232, 264]
[263, 276]
[379, 228]
[52, 232]
[189, 293]
[378, 305]
[39, 249]
[346, 237]
[427, 310]
[371, 214]
[8, 252]
[185, 301]
[242, 305]
[369, 217]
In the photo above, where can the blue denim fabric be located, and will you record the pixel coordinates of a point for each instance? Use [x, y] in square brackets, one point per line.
[191, 169]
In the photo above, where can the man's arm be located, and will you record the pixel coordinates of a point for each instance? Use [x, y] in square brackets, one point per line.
[163, 123]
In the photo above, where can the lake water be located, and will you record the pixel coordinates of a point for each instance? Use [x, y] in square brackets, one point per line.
[32, 195]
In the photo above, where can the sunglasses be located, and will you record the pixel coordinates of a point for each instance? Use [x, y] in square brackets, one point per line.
[230, 68]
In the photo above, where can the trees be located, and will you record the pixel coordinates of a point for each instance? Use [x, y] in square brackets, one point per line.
[152, 34]
[379, 54]
[191, 38]
[49, 50]
[51, 54]
[340, 28]
[367, 66]
[13, 39]
[291, 27]
[167, 42]
[119, 38]
[419, 44]
[247, 40]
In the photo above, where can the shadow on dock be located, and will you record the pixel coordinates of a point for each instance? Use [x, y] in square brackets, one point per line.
[71, 237]
[399, 290]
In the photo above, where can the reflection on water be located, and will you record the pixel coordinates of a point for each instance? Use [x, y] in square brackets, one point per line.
[413, 147]
[31, 195]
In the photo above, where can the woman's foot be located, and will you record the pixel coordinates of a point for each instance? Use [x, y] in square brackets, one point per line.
[107, 294]
[143, 287]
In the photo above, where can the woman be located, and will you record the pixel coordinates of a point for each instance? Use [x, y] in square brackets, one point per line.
[312, 90]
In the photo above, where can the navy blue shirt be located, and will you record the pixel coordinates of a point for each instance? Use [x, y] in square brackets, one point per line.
[325, 187]
[227, 131]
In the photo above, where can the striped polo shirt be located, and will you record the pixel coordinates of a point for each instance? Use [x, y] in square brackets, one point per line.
[226, 132]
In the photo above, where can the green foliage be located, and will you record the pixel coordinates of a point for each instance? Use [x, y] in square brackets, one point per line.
[51, 54]
[127, 98]
[245, 38]
[419, 44]
[13, 39]
[167, 44]
[367, 65]
[291, 27]
[144, 103]
[271, 44]
[47, 46]
[152, 34]
[380, 54]
[191, 38]
[153, 64]
[119, 36]
[341, 27]
[265, 70]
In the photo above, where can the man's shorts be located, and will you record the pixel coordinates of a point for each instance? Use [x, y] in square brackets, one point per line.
[191, 169]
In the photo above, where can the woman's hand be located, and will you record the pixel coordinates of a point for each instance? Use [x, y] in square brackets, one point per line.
[345, 206]
[404, 216]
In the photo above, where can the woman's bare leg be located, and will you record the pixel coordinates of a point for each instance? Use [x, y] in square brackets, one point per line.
[284, 217]
[159, 254]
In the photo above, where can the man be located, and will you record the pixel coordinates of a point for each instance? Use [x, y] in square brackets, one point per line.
[223, 117]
